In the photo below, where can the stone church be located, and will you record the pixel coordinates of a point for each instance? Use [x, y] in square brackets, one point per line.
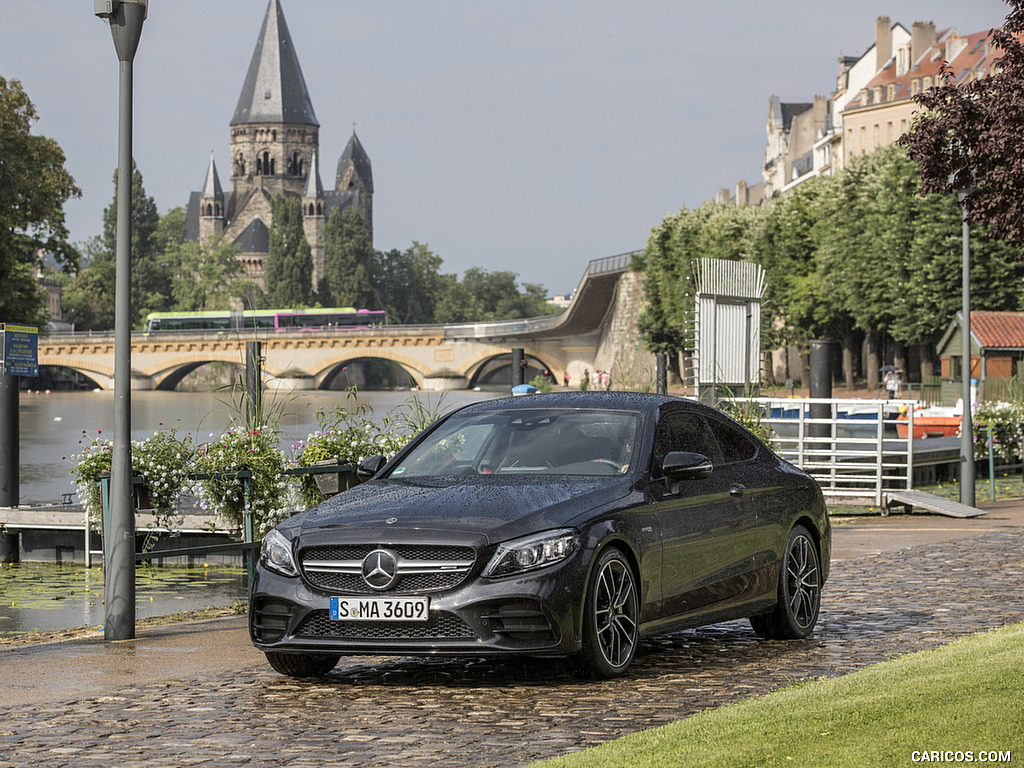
[275, 139]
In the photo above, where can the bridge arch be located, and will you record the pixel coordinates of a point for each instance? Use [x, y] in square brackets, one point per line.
[169, 373]
[476, 367]
[102, 375]
[326, 368]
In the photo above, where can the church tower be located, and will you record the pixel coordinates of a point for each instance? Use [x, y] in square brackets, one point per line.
[275, 141]
[274, 131]
[355, 176]
[313, 219]
[211, 205]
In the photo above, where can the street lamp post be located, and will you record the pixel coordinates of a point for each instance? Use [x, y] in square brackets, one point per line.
[126, 18]
[966, 428]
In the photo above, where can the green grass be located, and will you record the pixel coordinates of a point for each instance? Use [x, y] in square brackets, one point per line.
[967, 696]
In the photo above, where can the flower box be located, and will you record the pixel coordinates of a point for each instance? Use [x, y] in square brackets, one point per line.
[331, 483]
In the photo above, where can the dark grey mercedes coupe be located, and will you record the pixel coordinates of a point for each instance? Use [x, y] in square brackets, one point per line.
[569, 524]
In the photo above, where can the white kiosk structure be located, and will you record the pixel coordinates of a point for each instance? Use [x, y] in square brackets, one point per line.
[727, 330]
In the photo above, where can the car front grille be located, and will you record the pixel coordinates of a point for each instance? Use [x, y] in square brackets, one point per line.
[421, 568]
[441, 626]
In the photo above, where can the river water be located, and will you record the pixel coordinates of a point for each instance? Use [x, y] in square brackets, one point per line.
[47, 596]
[55, 426]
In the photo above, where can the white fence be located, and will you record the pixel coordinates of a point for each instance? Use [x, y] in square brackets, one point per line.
[849, 446]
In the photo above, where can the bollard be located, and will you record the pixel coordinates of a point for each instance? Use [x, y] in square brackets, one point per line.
[820, 386]
[517, 366]
[10, 437]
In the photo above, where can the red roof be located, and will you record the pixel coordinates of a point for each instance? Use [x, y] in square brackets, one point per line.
[969, 61]
[999, 330]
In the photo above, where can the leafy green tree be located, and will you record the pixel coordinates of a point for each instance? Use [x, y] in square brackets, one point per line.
[152, 274]
[675, 246]
[209, 275]
[804, 299]
[968, 134]
[456, 303]
[88, 296]
[289, 265]
[91, 295]
[348, 262]
[484, 296]
[34, 186]
[408, 283]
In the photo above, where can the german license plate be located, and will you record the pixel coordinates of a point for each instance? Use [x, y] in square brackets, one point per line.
[380, 608]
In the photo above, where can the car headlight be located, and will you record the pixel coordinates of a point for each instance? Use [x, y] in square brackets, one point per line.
[532, 552]
[276, 554]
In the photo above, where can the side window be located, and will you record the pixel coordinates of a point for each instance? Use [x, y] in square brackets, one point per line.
[681, 431]
[735, 445]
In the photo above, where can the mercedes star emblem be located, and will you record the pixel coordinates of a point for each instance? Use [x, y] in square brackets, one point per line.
[380, 569]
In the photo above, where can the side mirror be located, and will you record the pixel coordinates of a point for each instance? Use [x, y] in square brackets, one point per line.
[680, 466]
[369, 467]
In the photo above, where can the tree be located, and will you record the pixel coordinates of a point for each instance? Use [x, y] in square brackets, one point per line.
[484, 296]
[209, 275]
[968, 136]
[92, 294]
[712, 231]
[348, 261]
[88, 296]
[408, 283]
[151, 273]
[289, 266]
[34, 186]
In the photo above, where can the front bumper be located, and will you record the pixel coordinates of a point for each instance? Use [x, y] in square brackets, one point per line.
[537, 613]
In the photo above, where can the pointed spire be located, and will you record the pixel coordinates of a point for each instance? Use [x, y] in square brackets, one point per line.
[355, 156]
[314, 188]
[274, 90]
[211, 187]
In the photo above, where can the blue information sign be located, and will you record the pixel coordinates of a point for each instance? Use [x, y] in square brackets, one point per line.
[20, 349]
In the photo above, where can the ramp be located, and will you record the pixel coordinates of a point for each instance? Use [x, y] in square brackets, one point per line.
[931, 502]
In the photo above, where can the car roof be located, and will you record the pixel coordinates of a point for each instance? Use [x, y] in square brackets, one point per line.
[631, 401]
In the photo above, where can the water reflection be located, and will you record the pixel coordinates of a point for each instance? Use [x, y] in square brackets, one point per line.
[45, 596]
[52, 425]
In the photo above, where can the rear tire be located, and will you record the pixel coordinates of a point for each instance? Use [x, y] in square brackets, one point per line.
[302, 664]
[799, 593]
[611, 618]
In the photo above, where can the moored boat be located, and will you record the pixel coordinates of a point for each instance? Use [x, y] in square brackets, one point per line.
[934, 421]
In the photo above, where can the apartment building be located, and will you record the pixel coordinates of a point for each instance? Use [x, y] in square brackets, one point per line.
[871, 106]
[883, 110]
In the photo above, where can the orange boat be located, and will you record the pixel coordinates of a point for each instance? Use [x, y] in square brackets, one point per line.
[930, 422]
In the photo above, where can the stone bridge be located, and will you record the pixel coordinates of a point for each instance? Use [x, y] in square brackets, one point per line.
[597, 331]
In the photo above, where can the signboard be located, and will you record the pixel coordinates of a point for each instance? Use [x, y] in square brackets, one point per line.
[20, 349]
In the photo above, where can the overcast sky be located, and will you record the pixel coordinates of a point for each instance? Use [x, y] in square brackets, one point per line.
[525, 135]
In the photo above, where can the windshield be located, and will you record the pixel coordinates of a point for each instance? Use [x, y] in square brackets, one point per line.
[527, 442]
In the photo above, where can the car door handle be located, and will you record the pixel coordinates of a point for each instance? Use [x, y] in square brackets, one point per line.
[737, 490]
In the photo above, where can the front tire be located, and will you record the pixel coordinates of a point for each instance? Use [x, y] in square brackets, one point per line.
[302, 664]
[611, 618]
[799, 593]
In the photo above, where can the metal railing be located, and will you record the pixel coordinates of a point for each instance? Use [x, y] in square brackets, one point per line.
[248, 545]
[849, 446]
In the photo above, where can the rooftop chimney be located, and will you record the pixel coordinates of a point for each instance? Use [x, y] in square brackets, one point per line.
[883, 41]
[922, 37]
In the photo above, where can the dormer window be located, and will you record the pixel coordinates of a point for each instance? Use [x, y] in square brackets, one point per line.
[902, 59]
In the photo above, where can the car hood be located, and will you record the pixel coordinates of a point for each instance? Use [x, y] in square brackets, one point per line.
[496, 508]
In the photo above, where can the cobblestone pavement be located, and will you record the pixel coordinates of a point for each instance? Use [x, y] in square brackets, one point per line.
[412, 712]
